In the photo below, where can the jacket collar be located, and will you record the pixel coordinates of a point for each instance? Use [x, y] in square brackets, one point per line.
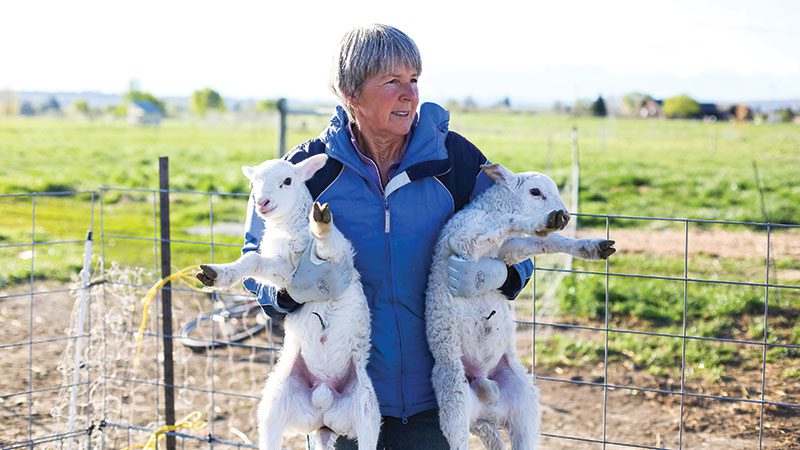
[426, 154]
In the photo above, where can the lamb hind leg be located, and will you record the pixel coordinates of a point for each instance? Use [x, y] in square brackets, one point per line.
[367, 417]
[489, 435]
[520, 401]
[355, 414]
[324, 439]
[286, 401]
[452, 394]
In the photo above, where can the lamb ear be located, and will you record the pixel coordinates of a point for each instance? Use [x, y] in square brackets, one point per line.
[310, 166]
[500, 175]
[248, 172]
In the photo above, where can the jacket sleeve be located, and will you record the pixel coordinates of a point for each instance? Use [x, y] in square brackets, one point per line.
[518, 274]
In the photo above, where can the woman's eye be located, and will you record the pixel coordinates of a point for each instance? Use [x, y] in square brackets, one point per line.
[536, 192]
[287, 181]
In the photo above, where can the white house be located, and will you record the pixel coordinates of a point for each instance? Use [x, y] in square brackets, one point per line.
[141, 112]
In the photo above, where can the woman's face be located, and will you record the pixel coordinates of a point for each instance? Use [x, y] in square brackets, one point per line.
[387, 104]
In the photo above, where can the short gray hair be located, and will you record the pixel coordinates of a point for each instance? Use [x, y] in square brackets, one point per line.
[370, 50]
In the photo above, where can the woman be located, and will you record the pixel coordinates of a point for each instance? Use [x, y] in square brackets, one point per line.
[393, 178]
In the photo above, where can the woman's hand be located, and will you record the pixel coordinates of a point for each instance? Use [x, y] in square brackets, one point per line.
[473, 278]
[317, 280]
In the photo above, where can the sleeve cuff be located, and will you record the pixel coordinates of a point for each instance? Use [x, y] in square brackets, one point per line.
[274, 303]
[513, 283]
[283, 301]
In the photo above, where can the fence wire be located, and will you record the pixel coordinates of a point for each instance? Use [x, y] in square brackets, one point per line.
[120, 405]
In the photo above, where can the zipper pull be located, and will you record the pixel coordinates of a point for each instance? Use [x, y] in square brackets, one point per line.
[386, 219]
[404, 419]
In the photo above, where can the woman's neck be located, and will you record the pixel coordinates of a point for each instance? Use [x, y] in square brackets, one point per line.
[383, 151]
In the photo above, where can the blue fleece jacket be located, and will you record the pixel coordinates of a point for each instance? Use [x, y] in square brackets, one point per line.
[393, 231]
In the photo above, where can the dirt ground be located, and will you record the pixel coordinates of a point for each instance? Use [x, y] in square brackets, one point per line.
[129, 397]
[784, 243]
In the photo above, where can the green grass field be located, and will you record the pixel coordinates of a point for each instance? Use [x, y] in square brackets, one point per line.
[645, 168]
[679, 169]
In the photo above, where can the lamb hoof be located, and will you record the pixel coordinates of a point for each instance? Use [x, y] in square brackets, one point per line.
[207, 276]
[322, 213]
[606, 248]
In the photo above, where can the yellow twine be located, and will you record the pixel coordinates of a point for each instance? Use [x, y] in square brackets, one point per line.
[184, 274]
[238, 433]
[192, 422]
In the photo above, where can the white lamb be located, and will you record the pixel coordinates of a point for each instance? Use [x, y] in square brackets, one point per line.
[320, 381]
[479, 382]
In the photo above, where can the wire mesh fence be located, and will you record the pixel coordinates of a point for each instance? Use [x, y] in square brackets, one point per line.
[688, 337]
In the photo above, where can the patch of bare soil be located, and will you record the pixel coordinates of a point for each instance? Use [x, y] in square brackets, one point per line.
[224, 386]
[745, 244]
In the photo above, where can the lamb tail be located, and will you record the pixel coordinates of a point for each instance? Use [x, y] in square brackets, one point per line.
[322, 397]
[487, 390]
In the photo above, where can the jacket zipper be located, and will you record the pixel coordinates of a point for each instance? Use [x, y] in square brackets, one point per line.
[387, 228]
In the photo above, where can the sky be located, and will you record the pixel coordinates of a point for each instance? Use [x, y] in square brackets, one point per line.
[534, 52]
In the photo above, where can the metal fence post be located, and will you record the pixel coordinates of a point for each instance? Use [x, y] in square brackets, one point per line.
[576, 173]
[76, 364]
[166, 298]
[282, 111]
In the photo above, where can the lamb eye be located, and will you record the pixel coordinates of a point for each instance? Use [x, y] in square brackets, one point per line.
[287, 181]
[536, 192]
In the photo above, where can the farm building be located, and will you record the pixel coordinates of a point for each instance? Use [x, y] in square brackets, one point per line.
[142, 112]
[651, 109]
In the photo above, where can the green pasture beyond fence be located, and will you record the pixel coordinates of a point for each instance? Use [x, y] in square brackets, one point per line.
[631, 171]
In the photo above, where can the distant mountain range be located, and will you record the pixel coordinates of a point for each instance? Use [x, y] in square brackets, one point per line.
[95, 99]
[102, 100]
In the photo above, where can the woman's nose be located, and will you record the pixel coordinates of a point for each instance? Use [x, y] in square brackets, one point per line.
[409, 92]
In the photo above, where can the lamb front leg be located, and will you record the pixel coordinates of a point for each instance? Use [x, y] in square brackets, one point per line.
[325, 269]
[272, 270]
[519, 249]
[469, 242]
[330, 244]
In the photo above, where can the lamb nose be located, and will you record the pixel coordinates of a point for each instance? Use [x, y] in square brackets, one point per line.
[564, 219]
[263, 203]
[557, 220]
